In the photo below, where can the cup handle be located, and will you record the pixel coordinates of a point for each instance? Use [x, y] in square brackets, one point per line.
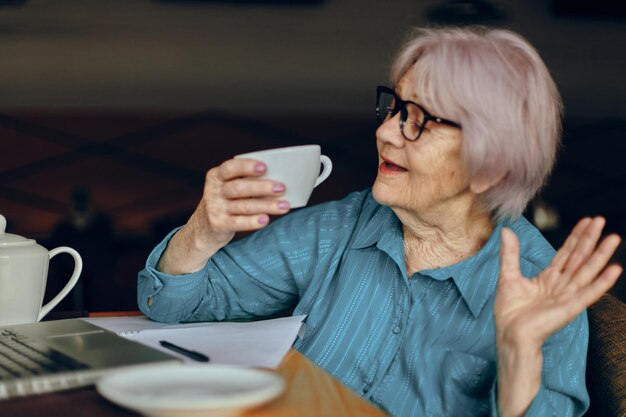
[78, 267]
[328, 167]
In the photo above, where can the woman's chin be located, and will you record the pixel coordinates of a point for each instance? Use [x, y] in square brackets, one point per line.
[383, 193]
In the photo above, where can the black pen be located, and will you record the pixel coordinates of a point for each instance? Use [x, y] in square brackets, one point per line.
[196, 356]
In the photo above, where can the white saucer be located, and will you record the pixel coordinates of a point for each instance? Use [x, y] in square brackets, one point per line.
[190, 390]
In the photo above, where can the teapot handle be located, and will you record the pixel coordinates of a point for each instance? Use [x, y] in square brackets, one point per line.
[78, 267]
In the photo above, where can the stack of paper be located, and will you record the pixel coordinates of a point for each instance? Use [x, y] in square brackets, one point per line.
[257, 344]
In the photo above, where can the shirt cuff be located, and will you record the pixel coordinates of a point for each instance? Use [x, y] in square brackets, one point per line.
[158, 293]
[534, 410]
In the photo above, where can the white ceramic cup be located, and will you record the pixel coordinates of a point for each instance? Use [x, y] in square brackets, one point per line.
[298, 167]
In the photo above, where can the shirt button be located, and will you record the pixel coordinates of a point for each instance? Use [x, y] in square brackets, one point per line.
[366, 388]
[396, 330]
[150, 301]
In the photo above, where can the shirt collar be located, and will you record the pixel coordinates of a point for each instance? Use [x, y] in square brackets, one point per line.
[475, 277]
[382, 225]
[384, 230]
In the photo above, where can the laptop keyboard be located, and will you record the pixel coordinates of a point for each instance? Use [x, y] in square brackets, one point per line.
[21, 357]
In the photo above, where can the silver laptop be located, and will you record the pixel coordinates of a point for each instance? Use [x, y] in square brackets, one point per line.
[63, 354]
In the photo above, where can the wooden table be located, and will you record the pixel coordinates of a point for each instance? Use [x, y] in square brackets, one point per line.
[310, 392]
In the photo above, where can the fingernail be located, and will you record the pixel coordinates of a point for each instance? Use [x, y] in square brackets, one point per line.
[278, 188]
[283, 204]
[263, 219]
[260, 167]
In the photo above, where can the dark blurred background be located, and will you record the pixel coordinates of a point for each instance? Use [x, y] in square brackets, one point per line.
[112, 111]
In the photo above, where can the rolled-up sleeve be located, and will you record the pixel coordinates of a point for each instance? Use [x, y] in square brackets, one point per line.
[239, 281]
[257, 276]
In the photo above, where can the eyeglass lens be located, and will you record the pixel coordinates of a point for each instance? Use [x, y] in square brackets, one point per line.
[411, 116]
[385, 106]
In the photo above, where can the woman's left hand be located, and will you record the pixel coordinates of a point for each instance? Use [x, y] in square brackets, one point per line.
[528, 310]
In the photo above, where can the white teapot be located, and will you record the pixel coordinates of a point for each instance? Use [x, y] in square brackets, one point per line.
[23, 276]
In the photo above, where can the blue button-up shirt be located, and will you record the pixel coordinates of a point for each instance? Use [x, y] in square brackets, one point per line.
[422, 345]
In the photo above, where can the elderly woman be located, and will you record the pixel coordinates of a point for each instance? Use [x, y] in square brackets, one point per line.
[430, 294]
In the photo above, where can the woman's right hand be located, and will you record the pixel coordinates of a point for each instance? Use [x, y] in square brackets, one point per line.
[234, 199]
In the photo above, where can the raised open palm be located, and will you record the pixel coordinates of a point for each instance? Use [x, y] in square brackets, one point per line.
[528, 311]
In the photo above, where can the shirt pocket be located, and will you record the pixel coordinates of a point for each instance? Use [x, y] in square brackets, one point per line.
[467, 378]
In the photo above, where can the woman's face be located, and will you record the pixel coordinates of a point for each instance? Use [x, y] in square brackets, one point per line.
[422, 176]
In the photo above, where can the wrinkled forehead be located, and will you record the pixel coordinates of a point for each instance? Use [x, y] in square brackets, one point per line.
[405, 86]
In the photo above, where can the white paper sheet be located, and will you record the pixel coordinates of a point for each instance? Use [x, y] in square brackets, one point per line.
[256, 344]
[132, 325]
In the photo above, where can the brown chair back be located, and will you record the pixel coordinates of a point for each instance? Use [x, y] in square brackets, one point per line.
[606, 360]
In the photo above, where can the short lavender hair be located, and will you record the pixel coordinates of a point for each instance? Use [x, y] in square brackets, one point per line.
[495, 84]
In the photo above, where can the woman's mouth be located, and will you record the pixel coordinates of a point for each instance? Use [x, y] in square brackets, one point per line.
[389, 167]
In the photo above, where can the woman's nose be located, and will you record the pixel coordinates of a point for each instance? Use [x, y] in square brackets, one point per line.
[389, 131]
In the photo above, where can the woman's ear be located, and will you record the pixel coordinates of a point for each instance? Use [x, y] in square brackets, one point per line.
[483, 183]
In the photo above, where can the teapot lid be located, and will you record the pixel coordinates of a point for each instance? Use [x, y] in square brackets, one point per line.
[8, 239]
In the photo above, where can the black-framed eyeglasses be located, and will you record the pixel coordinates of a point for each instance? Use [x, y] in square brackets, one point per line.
[413, 117]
